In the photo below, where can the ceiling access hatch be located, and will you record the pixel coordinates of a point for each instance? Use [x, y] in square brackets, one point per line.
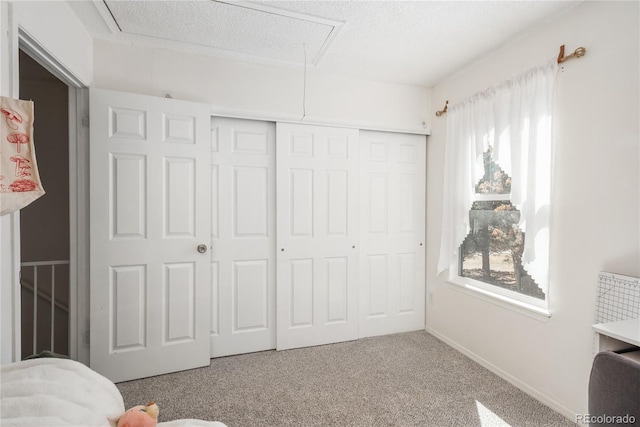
[241, 28]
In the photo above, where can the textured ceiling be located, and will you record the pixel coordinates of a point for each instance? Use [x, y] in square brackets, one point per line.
[410, 42]
[254, 30]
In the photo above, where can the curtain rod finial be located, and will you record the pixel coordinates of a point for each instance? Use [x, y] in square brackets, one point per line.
[444, 110]
[577, 54]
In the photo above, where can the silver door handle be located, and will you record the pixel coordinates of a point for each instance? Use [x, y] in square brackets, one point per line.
[202, 248]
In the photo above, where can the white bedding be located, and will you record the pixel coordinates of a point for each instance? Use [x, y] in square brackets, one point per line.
[51, 392]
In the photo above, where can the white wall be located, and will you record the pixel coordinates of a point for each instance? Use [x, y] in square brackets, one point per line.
[56, 30]
[263, 91]
[54, 26]
[595, 222]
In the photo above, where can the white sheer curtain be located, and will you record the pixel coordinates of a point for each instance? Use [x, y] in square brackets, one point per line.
[515, 118]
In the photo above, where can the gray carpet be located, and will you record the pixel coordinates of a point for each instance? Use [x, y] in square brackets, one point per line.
[409, 379]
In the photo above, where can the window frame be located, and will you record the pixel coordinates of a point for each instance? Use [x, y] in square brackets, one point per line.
[517, 305]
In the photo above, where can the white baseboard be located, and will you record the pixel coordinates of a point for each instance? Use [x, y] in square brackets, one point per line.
[546, 400]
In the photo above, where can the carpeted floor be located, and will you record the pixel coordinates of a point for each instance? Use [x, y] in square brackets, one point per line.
[408, 379]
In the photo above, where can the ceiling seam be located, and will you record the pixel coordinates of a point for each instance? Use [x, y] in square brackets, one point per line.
[112, 16]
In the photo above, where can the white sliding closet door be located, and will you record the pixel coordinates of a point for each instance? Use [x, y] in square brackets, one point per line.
[150, 208]
[243, 234]
[317, 234]
[392, 233]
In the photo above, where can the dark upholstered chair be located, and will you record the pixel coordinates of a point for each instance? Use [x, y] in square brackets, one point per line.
[614, 389]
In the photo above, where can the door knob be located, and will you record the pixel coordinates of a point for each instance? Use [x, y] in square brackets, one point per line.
[202, 248]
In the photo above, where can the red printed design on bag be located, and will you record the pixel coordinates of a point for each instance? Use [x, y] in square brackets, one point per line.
[22, 166]
[18, 138]
[22, 185]
[12, 117]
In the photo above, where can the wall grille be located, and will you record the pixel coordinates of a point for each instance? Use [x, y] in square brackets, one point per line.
[618, 298]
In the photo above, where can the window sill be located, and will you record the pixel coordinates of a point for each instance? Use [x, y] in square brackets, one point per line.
[520, 307]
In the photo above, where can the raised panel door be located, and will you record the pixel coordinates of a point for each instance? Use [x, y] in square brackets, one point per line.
[150, 208]
[317, 204]
[243, 235]
[392, 284]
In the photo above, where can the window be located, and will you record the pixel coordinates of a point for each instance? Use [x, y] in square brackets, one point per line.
[492, 251]
[497, 189]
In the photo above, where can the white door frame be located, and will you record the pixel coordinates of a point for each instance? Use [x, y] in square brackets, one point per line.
[10, 224]
[79, 215]
[19, 39]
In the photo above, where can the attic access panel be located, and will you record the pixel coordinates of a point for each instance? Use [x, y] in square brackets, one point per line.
[239, 27]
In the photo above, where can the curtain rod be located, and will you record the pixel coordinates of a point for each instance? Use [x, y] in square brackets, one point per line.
[561, 58]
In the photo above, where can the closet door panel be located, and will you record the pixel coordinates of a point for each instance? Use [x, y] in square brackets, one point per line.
[243, 235]
[317, 235]
[392, 233]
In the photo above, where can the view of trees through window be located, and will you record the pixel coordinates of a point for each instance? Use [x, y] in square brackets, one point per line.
[492, 251]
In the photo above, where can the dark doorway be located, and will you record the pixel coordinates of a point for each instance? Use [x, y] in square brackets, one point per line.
[44, 224]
